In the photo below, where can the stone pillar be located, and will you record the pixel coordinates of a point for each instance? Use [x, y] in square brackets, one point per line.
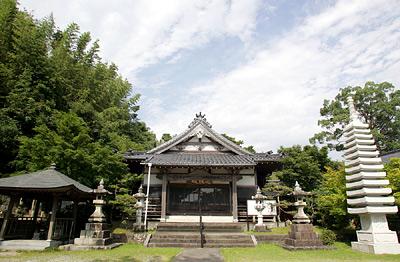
[52, 219]
[164, 198]
[7, 217]
[234, 199]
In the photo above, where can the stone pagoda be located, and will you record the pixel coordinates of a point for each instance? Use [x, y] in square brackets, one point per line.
[367, 192]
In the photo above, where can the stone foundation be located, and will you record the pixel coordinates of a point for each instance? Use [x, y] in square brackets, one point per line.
[94, 236]
[302, 236]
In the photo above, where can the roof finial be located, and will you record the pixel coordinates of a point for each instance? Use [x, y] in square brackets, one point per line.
[354, 115]
[199, 118]
[53, 166]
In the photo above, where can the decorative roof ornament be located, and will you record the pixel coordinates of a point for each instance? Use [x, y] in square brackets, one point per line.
[53, 166]
[200, 118]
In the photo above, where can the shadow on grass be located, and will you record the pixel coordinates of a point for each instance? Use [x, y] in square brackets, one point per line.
[131, 259]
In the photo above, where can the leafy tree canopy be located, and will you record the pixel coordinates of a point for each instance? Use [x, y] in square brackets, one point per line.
[331, 199]
[165, 138]
[303, 164]
[392, 169]
[378, 105]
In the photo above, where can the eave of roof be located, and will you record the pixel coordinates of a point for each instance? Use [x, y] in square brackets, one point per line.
[201, 159]
[48, 180]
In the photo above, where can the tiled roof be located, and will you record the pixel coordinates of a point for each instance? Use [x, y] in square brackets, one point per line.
[206, 159]
[265, 157]
[394, 154]
[44, 179]
[201, 159]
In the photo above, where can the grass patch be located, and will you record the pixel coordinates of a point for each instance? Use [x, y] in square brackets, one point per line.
[272, 252]
[127, 252]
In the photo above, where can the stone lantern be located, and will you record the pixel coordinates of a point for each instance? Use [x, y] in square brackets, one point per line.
[302, 234]
[98, 215]
[140, 196]
[260, 206]
[96, 234]
[299, 194]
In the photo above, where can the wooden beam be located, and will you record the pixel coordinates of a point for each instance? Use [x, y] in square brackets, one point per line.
[52, 219]
[164, 197]
[7, 216]
[234, 199]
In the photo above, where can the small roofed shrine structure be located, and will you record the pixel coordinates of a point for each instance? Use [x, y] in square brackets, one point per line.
[367, 193]
[200, 169]
[42, 209]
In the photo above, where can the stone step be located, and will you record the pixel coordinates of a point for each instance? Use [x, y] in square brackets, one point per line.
[195, 227]
[197, 245]
[177, 240]
[197, 236]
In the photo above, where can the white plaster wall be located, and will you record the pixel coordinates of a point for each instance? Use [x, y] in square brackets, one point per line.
[247, 181]
[153, 180]
[249, 171]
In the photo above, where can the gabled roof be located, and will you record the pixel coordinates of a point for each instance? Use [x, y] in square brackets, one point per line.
[200, 120]
[48, 180]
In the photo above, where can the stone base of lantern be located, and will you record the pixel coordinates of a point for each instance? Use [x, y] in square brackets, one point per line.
[261, 228]
[302, 236]
[95, 236]
[377, 242]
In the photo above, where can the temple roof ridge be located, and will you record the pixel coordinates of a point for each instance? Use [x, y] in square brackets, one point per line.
[199, 120]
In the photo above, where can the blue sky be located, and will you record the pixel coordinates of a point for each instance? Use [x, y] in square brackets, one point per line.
[259, 70]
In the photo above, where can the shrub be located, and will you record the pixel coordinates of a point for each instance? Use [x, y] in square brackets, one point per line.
[328, 237]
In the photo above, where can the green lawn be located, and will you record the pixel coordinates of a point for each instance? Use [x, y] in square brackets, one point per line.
[271, 252]
[135, 252]
[127, 252]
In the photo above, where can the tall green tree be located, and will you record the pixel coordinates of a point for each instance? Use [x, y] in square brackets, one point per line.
[303, 164]
[378, 105]
[331, 199]
[59, 102]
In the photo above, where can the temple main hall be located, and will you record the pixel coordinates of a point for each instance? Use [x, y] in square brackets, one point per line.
[200, 170]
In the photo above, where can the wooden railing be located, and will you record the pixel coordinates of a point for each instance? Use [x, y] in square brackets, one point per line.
[154, 209]
[22, 227]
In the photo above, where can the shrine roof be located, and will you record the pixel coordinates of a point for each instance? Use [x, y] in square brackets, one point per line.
[48, 180]
[188, 149]
[201, 121]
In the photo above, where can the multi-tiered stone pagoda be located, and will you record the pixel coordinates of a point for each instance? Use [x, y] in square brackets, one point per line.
[367, 191]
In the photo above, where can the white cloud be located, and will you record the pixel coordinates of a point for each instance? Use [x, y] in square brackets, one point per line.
[275, 98]
[135, 34]
[271, 100]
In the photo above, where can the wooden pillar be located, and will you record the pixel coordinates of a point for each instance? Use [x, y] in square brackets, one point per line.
[234, 198]
[7, 217]
[74, 216]
[164, 197]
[52, 219]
